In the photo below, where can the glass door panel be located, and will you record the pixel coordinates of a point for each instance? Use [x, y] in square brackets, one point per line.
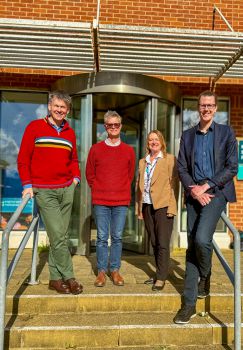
[165, 123]
[81, 121]
[135, 110]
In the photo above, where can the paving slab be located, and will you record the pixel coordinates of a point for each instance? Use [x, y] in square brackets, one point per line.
[135, 270]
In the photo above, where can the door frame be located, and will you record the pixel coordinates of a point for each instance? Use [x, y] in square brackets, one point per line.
[111, 82]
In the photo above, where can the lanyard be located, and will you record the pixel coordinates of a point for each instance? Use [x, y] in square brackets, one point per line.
[148, 172]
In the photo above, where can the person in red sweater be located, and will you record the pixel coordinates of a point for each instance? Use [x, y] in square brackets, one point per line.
[48, 168]
[109, 172]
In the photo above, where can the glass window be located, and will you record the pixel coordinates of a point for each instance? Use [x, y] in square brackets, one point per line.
[164, 122]
[190, 118]
[17, 109]
[190, 115]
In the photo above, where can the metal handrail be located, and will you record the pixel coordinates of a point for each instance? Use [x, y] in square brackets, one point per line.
[234, 278]
[7, 271]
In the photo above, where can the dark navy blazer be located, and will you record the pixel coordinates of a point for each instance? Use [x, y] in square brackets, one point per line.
[225, 160]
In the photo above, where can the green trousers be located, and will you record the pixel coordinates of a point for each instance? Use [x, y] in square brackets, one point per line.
[55, 206]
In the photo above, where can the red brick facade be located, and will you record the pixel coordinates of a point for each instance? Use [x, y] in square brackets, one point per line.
[191, 14]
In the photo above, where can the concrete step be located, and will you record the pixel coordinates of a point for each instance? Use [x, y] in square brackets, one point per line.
[57, 303]
[115, 318]
[70, 331]
[149, 347]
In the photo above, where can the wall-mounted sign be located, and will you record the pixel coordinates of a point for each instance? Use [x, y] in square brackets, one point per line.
[240, 160]
[9, 205]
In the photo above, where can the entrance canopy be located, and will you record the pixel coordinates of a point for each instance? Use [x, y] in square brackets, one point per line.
[148, 50]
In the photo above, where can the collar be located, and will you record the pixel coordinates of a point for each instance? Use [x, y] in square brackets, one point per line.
[64, 124]
[147, 159]
[109, 143]
[211, 128]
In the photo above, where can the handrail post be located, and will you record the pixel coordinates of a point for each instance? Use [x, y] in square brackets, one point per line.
[237, 293]
[3, 284]
[4, 265]
[33, 279]
[237, 284]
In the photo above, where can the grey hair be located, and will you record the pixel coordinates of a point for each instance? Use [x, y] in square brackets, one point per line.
[61, 95]
[112, 114]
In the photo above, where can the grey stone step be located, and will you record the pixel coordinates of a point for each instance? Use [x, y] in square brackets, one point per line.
[149, 347]
[57, 303]
[70, 331]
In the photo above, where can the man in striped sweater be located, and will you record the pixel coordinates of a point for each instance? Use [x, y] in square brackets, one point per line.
[109, 172]
[48, 168]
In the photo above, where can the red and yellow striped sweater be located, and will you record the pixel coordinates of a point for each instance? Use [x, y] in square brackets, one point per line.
[48, 158]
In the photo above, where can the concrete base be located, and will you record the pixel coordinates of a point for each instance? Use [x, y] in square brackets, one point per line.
[17, 236]
[178, 239]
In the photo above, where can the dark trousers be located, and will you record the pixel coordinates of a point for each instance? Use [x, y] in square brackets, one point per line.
[159, 228]
[201, 225]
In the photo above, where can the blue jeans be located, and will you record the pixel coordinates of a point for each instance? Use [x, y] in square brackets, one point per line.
[201, 224]
[109, 219]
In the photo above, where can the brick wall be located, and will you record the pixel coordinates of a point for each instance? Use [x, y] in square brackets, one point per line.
[27, 78]
[57, 10]
[160, 13]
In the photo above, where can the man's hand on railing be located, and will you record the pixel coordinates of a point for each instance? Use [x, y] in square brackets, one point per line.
[28, 191]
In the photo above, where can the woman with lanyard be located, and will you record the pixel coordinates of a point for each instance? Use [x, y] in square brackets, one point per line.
[157, 186]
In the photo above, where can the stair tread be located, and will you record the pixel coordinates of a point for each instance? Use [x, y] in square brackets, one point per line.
[113, 320]
[149, 347]
[116, 318]
[128, 288]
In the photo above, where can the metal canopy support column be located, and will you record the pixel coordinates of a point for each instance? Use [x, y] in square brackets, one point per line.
[226, 67]
[215, 9]
[231, 60]
[95, 39]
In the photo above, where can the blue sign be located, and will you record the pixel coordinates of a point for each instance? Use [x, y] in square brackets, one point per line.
[240, 152]
[9, 205]
[240, 161]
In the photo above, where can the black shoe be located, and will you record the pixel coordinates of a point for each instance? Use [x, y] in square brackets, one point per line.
[185, 314]
[204, 287]
[158, 288]
[149, 281]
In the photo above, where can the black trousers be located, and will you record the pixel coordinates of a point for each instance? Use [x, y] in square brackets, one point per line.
[159, 228]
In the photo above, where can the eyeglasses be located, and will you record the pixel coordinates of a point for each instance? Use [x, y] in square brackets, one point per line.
[207, 107]
[113, 125]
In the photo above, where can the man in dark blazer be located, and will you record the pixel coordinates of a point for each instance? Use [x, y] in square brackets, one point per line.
[207, 164]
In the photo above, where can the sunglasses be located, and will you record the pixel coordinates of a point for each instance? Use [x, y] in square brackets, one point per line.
[113, 125]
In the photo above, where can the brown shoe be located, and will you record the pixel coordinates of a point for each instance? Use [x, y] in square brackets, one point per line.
[117, 278]
[74, 286]
[100, 280]
[59, 286]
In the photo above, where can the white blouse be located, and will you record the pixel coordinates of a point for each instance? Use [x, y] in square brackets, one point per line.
[149, 170]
